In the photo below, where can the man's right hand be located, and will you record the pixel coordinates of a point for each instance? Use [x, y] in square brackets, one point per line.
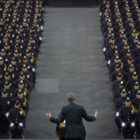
[49, 115]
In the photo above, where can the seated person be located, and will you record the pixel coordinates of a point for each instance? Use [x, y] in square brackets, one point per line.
[127, 119]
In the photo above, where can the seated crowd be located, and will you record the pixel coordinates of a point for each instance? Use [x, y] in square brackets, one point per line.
[21, 25]
[120, 24]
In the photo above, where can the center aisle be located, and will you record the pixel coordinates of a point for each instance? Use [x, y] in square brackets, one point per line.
[71, 59]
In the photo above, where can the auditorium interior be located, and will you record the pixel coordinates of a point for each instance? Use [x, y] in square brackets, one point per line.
[75, 46]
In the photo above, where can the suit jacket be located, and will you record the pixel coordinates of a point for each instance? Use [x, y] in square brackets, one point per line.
[73, 114]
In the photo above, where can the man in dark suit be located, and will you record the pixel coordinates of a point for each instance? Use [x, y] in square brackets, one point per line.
[73, 114]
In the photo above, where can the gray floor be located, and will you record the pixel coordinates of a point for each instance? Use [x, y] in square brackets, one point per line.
[71, 59]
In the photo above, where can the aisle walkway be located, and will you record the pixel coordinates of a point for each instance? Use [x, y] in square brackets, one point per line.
[71, 59]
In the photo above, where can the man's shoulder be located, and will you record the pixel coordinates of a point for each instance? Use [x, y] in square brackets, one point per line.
[71, 105]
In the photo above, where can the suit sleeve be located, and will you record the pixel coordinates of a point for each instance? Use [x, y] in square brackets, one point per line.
[86, 116]
[59, 119]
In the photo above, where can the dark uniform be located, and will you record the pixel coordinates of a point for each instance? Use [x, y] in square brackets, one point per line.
[118, 104]
[5, 105]
[16, 120]
[136, 105]
[127, 120]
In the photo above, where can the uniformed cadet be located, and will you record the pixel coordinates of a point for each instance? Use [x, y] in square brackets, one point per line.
[116, 92]
[136, 105]
[16, 118]
[118, 104]
[127, 119]
[23, 100]
[5, 105]
[131, 82]
[134, 90]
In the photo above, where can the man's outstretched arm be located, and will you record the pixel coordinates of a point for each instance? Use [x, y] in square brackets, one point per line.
[88, 117]
[55, 120]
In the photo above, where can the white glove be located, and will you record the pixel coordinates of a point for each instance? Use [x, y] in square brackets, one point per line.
[133, 124]
[40, 38]
[41, 27]
[7, 115]
[33, 69]
[132, 111]
[20, 112]
[123, 124]
[109, 62]
[104, 49]
[100, 13]
[20, 124]
[117, 114]
[11, 124]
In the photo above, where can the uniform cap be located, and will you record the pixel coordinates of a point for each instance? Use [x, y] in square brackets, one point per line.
[2, 50]
[132, 66]
[20, 91]
[121, 83]
[13, 59]
[21, 26]
[119, 74]
[7, 83]
[24, 65]
[117, 57]
[134, 73]
[138, 92]
[27, 51]
[21, 73]
[128, 51]
[6, 74]
[10, 66]
[25, 57]
[130, 58]
[16, 51]
[117, 66]
[123, 90]
[136, 83]
[127, 99]
[17, 102]
[21, 82]
[4, 91]
[136, 37]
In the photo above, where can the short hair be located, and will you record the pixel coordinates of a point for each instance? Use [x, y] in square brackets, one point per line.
[71, 97]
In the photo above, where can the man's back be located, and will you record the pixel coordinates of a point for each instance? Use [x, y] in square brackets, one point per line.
[73, 114]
